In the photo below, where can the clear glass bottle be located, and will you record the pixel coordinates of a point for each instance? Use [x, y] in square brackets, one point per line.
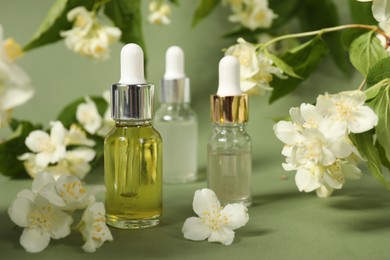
[132, 151]
[177, 122]
[230, 163]
[229, 166]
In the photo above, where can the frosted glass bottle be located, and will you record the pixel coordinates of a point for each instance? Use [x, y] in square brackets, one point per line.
[178, 126]
[177, 122]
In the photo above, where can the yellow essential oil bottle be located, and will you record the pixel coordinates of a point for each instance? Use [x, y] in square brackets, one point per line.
[133, 149]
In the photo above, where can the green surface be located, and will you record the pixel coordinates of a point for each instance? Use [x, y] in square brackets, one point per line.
[283, 224]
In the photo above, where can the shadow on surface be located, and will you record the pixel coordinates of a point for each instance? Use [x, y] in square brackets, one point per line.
[262, 199]
[9, 232]
[381, 223]
[360, 201]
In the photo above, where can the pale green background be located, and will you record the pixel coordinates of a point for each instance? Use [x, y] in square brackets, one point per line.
[284, 224]
[60, 76]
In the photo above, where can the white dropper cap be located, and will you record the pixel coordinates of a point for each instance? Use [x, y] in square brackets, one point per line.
[132, 65]
[229, 77]
[174, 63]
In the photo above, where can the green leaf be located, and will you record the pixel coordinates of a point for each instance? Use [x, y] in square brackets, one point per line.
[382, 155]
[175, 2]
[348, 36]
[304, 59]
[55, 22]
[365, 144]
[365, 52]
[379, 72]
[315, 15]
[361, 12]
[204, 8]
[373, 91]
[10, 165]
[68, 114]
[126, 15]
[287, 69]
[381, 106]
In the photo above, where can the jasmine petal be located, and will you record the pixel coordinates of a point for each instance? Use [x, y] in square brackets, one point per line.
[215, 223]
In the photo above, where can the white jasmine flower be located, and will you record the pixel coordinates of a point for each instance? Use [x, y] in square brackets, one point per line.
[76, 163]
[44, 185]
[307, 116]
[15, 84]
[345, 113]
[108, 122]
[310, 145]
[245, 53]
[236, 5]
[214, 222]
[48, 148]
[159, 13]
[93, 227]
[72, 191]
[325, 179]
[88, 36]
[76, 136]
[88, 116]
[253, 14]
[256, 70]
[264, 76]
[322, 159]
[40, 219]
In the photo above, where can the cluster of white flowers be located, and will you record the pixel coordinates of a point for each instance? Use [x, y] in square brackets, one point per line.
[46, 210]
[252, 14]
[159, 13]
[50, 154]
[256, 70]
[89, 37]
[15, 84]
[214, 222]
[88, 116]
[317, 140]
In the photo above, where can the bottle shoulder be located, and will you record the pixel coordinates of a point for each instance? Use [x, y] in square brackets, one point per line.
[229, 139]
[167, 113]
[137, 132]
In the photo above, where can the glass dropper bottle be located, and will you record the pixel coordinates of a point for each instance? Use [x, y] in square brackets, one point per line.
[229, 167]
[133, 149]
[176, 121]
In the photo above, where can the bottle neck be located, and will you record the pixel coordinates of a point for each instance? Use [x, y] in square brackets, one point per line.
[218, 126]
[141, 123]
[171, 106]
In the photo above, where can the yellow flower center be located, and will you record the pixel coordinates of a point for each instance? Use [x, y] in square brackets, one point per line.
[12, 49]
[97, 228]
[214, 220]
[260, 16]
[80, 21]
[344, 111]
[72, 190]
[41, 218]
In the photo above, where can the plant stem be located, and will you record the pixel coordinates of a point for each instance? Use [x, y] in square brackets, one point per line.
[362, 84]
[327, 30]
